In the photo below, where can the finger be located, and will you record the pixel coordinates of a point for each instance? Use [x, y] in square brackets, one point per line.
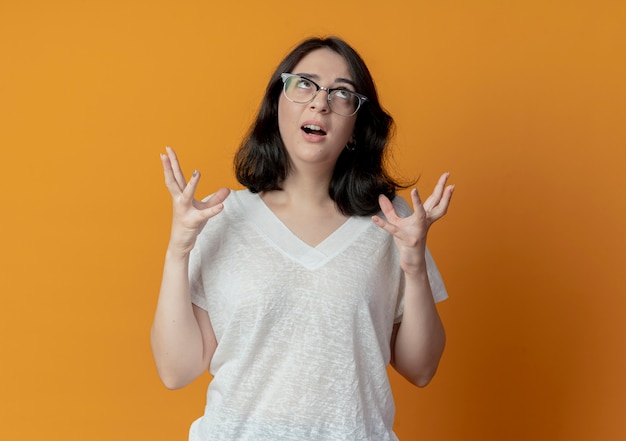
[418, 208]
[176, 170]
[387, 208]
[168, 173]
[213, 205]
[442, 208]
[416, 200]
[383, 224]
[190, 188]
[435, 198]
[207, 213]
[218, 197]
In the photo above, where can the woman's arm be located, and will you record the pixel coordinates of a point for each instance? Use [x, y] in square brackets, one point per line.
[418, 341]
[182, 337]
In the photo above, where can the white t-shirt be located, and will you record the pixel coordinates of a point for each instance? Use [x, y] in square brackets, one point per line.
[303, 332]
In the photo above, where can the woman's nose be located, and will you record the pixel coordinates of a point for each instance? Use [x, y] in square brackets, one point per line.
[320, 102]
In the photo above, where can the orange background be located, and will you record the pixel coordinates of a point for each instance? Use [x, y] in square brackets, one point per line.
[524, 102]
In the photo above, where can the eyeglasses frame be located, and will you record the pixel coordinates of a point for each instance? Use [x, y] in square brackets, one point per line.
[285, 76]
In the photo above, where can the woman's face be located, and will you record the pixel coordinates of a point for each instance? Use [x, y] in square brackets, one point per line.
[311, 132]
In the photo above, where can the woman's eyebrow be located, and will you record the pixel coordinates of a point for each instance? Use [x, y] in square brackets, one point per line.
[345, 80]
[315, 77]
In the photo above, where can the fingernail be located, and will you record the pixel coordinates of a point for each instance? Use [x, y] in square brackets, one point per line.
[195, 173]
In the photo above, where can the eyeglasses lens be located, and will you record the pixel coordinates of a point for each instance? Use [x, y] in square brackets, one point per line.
[300, 90]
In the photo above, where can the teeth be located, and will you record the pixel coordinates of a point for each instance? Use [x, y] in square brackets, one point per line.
[312, 127]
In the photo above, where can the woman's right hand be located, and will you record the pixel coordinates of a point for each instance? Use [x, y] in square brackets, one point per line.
[190, 215]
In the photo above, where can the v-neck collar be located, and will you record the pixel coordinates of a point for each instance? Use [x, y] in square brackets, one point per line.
[264, 220]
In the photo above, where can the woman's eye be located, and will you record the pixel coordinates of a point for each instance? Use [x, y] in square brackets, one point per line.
[304, 84]
[343, 94]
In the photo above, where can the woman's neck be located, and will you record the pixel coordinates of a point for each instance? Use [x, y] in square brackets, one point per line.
[304, 190]
[306, 208]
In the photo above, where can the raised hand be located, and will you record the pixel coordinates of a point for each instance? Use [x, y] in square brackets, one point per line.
[410, 233]
[189, 214]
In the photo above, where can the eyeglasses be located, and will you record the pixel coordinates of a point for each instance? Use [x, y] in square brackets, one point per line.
[302, 90]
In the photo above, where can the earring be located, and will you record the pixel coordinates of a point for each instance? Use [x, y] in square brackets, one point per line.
[351, 146]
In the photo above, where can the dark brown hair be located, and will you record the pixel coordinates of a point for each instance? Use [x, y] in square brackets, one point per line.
[359, 177]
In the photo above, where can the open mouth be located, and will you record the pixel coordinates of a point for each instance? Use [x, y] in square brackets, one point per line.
[312, 129]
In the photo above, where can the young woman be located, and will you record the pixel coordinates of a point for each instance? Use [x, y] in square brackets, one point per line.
[297, 292]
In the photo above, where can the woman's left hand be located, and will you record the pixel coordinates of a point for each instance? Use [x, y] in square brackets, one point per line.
[409, 233]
